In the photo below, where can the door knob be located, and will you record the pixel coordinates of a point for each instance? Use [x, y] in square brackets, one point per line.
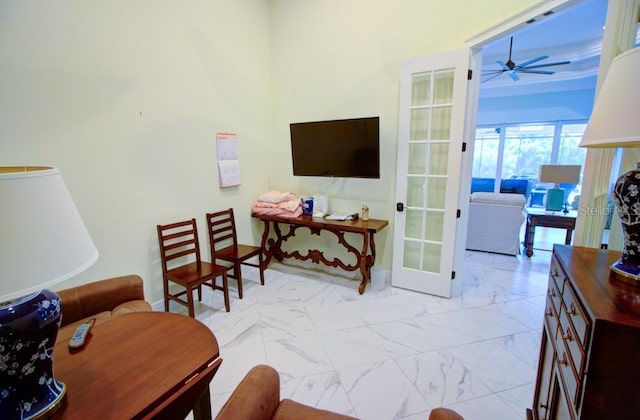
[399, 207]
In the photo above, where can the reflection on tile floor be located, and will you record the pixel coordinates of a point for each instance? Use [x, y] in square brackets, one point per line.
[390, 354]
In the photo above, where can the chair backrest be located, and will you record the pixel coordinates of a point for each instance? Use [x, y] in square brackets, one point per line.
[178, 240]
[222, 230]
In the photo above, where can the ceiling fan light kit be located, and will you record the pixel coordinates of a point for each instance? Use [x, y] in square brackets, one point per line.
[512, 69]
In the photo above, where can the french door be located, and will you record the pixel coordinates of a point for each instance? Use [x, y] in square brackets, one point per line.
[433, 91]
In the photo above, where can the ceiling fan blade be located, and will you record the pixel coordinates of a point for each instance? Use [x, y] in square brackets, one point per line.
[533, 60]
[537, 71]
[513, 75]
[557, 63]
[491, 77]
[503, 65]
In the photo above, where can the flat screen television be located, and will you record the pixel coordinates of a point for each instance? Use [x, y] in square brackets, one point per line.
[339, 148]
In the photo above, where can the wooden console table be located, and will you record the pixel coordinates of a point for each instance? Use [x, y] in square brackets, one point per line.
[552, 219]
[135, 365]
[365, 257]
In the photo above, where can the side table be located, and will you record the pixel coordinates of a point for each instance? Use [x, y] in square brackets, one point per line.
[134, 365]
[552, 219]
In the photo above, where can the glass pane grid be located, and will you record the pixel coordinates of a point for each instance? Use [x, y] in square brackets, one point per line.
[429, 141]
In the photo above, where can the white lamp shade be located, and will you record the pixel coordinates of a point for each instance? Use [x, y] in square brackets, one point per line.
[614, 120]
[44, 240]
[560, 174]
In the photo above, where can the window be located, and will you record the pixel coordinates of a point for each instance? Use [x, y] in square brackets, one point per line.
[516, 151]
[486, 150]
[526, 147]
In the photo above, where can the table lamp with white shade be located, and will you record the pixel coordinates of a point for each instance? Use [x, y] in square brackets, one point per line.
[558, 174]
[615, 122]
[44, 241]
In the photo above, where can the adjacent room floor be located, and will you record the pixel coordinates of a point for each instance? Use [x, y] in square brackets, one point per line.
[390, 354]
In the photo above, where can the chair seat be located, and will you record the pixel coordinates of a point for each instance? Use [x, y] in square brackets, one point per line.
[194, 272]
[238, 252]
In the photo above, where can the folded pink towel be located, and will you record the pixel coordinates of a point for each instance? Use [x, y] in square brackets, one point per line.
[276, 197]
[275, 210]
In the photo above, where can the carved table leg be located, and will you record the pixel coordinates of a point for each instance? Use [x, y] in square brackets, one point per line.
[266, 251]
[567, 239]
[365, 268]
[531, 230]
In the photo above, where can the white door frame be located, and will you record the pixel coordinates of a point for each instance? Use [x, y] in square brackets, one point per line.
[528, 16]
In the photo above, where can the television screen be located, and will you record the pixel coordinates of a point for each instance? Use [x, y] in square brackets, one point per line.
[339, 148]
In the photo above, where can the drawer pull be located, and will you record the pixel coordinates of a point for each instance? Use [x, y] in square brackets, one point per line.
[572, 309]
[568, 336]
[551, 293]
[554, 272]
[563, 361]
[549, 313]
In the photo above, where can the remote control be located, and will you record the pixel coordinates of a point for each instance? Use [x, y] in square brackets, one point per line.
[80, 336]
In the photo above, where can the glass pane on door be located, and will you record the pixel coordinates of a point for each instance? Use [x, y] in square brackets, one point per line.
[431, 128]
[429, 138]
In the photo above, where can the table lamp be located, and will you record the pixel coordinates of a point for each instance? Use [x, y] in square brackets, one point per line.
[44, 242]
[614, 122]
[558, 174]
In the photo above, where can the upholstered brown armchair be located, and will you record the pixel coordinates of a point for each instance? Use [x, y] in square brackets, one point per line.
[441, 413]
[101, 300]
[257, 397]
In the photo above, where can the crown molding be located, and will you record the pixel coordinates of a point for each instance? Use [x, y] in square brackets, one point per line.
[528, 16]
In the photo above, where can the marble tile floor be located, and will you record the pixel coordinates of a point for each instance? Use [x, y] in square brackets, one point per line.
[390, 354]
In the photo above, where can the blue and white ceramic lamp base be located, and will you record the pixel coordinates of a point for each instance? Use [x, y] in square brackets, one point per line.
[626, 194]
[28, 331]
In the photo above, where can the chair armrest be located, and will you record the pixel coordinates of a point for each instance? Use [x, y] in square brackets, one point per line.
[92, 298]
[442, 413]
[255, 398]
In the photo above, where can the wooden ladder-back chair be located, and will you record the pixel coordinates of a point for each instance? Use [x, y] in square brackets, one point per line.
[179, 241]
[223, 241]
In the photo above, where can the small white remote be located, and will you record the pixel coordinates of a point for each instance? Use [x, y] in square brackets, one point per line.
[80, 336]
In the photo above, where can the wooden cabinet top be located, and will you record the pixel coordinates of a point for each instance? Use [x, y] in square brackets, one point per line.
[607, 300]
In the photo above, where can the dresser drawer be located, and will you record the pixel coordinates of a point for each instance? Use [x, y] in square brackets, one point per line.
[556, 274]
[567, 371]
[576, 315]
[568, 335]
[554, 297]
[551, 319]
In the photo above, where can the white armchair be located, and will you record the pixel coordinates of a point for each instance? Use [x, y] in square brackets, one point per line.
[495, 220]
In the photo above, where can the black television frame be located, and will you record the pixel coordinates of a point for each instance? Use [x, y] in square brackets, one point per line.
[345, 148]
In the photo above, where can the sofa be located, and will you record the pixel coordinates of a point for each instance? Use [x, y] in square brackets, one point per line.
[257, 397]
[100, 300]
[495, 221]
[507, 186]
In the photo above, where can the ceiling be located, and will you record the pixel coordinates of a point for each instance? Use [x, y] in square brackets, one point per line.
[573, 34]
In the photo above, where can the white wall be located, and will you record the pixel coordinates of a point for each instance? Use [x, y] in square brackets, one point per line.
[125, 97]
[342, 59]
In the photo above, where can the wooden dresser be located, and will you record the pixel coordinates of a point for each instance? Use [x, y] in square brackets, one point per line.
[589, 365]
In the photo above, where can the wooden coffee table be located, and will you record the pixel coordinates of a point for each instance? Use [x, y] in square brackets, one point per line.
[132, 363]
[552, 219]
